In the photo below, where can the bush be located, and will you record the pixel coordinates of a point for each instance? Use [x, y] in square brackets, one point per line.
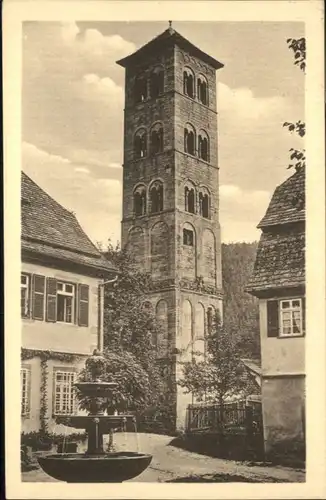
[40, 441]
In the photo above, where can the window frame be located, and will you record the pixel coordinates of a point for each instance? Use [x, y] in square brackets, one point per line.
[25, 407]
[291, 310]
[71, 394]
[28, 297]
[186, 233]
[73, 305]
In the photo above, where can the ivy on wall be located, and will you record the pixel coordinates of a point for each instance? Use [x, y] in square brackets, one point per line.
[45, 356]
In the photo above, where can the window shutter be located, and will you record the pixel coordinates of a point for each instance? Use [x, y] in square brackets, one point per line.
[304, 314]
[272, 318]
[83, 305]
[38, 297]
[51, 300]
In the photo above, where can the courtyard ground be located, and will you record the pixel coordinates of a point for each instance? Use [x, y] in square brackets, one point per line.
[172, 464]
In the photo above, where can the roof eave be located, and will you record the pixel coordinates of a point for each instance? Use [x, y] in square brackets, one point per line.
[262, 291]
[263, 224]
[175, 39]
[45, 258]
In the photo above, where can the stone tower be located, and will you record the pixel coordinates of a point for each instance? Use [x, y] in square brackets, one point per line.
[170, 215]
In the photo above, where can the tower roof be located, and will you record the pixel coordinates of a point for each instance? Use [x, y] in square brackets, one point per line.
[168, 38]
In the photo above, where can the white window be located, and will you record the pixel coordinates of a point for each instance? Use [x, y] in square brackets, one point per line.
[291, 317]
[64, 393]
[65, 302]
[24, 295]
[25, 376]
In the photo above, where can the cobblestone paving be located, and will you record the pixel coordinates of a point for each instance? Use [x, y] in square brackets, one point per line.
[170, 463]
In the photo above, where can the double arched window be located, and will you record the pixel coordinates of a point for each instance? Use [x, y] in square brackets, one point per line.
[203, 147]
[190, 139]
[156, 197]
[157, 138]
[156, 82]
[156, 141]
[189, 83]
[140, 201]
[140, 143]
[190, 142]
[149, 85]
[202, 90]
[190, 195]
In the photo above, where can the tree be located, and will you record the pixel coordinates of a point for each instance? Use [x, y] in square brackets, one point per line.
[240, 310]
[130, 333]
[297, 156]
[219, 374]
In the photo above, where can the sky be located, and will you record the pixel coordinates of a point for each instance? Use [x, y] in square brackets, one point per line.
[73, 100]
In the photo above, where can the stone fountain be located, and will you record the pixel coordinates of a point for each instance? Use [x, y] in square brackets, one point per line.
[96, 465]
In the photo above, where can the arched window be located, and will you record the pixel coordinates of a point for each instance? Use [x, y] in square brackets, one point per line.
[188, 83]
[204, 203]
[157, 83]
[190, 139]
[190, 199]
[202, 90]
[140, 201]
[140, 144]
[157, 139]
[140, 90]
[156, 197]
[203, 145]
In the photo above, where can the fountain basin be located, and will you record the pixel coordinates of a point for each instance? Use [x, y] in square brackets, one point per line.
[80, 468]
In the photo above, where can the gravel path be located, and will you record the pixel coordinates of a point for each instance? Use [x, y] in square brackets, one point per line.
[170, 463]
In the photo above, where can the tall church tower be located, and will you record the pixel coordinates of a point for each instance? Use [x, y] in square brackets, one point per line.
[170, 215]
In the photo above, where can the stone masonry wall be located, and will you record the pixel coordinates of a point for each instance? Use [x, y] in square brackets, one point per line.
[157, 239]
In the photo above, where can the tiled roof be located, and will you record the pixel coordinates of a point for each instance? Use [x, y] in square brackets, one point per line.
[48, 228]
[168, 37]
[288, 202]
[280, 261]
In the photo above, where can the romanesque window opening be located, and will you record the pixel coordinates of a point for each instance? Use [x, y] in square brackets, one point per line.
[188, 83]
[202, 90]
[204, 205]
[140, 144]
[189, 200]
[189, 140]
[156, 197]
[140, 89]
[140, 201]
[188, 237]
[157, 83]
[25, 380]
[203, 152]
[157, 139]
[64, 394]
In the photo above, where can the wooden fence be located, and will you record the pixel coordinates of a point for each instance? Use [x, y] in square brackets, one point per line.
[236, 417]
